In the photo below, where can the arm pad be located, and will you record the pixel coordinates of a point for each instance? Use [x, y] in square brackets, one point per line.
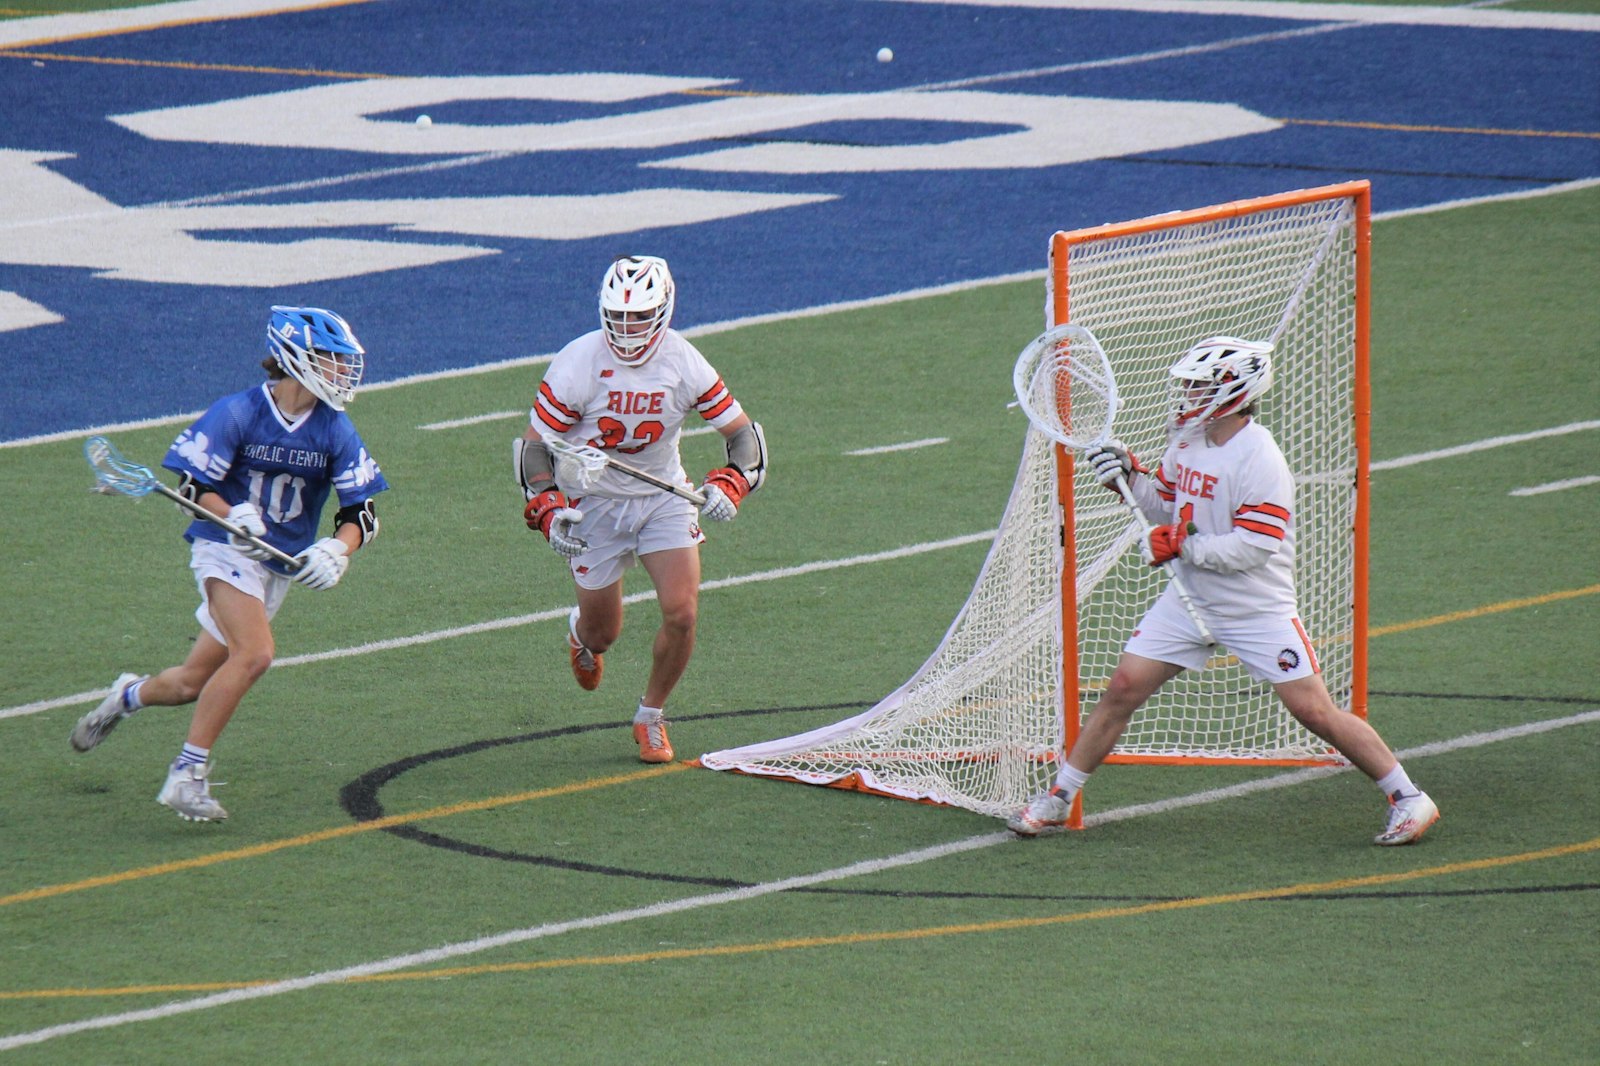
[191, 488]
[535, 472]
[747, 453]
[363, 515]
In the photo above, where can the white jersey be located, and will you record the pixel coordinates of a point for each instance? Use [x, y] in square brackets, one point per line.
[1240, 496]
[588, 397]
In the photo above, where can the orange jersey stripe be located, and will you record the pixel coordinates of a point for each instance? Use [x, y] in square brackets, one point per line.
[1259, 527]
[711, 393]
[561, 408]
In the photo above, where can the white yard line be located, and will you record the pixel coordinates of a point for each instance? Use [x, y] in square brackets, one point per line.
[457, 950]
[1556, 486]
[1484, 445]
[909, 445]
[433, 636]
[1472, 15]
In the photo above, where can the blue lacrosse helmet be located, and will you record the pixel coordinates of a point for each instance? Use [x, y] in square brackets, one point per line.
[318, 349]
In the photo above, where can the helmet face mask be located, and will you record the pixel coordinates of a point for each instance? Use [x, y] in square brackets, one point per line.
[318, 349]
[1219, 376]
[636, 301]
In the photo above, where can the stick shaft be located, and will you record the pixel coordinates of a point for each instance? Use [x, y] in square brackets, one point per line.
[650, 479]
[1178, 584]
[200, 512]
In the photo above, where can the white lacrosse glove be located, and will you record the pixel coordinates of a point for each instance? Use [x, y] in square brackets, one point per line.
[248, 518]
[1111, 460]
[561, 536]
[323, 564]
[717, 508]
[724, 489]
[549, 514]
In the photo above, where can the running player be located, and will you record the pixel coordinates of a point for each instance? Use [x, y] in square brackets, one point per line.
[266, 458]
[627, 388]
[1226, 495]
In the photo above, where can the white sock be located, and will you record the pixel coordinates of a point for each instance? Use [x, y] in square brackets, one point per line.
[191, 756]
[1070, 780]
[645, 715]
[130, 697]
[1396, 783]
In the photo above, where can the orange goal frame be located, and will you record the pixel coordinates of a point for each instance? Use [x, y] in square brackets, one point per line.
[1061, 248]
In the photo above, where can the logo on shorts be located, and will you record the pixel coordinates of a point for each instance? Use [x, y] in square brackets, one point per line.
[1288, 659]
[694, 530]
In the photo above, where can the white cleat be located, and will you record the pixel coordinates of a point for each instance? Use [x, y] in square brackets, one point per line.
[1409, 818]
[189, 793]
[1046, 811]
[93, 727]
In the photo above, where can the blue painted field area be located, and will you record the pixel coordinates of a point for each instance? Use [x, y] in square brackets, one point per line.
[163, 186]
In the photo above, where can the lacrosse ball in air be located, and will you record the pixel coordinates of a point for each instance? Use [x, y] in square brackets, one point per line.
[885, 55]
[424, 120]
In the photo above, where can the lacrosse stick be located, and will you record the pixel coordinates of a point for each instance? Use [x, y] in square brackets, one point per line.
[1065, 386]
[116, 476]
[578, 467]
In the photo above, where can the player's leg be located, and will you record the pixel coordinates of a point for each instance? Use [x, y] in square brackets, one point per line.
[1134, 681]
[676, 576]
[239, 622]
[1411, 811]
[247, 633]
[675, 572]
[592, 627]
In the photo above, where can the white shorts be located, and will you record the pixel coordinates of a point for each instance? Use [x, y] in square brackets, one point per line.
[1272, 648]
[211, 559]
[621, 530]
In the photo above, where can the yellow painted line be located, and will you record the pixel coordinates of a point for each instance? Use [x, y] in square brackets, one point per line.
[231, 68]
[850, 939]
[1404, 128]
[1480, 612]
[322, 835]
[337, 832]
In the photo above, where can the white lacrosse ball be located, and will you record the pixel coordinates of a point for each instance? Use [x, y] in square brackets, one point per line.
[886, 55]
[424, 121]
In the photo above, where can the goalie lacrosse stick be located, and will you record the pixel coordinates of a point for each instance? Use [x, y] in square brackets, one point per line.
[117, 476]
[578, 466]
[1065, 386]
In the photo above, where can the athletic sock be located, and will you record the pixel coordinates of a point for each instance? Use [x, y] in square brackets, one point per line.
[191, 756]
[1396, 784]
[1069, 781]
[645, 715]
[130, 697]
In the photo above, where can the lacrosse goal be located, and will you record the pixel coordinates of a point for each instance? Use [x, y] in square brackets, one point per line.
[985, 721]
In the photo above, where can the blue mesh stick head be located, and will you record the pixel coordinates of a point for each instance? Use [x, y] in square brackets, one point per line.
[115, 474]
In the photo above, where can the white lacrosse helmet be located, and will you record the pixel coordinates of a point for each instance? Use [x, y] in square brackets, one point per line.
[1219, 376]
[317, 349]
[635, 306]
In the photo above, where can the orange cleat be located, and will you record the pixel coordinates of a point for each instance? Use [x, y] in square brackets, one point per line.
[586, 665]
[652, 740]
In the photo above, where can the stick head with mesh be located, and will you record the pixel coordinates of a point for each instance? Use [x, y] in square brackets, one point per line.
[1064, 383]
[577, 466]
[115, 474]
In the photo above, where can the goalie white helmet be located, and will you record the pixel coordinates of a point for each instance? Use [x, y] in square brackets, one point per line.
[1219, 376]
[318, 349]
[636, 298]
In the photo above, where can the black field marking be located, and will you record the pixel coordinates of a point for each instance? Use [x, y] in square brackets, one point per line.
[360, 797]
[360, 800]
[1510, 697]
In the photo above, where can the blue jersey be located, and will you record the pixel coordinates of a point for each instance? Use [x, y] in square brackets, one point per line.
[247, 450]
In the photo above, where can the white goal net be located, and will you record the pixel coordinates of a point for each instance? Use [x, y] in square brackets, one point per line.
[984, 722]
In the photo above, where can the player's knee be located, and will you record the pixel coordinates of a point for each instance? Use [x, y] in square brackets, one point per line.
[680, 618]
[254, 661]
